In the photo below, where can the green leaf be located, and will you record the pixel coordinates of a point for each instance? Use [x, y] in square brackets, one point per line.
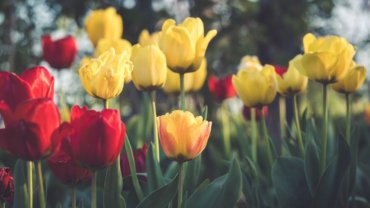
[20, 185]
[113, 187]
[160, 198]
[329, 186]
[205, 113]
[192, 174]
[312, 166]
[289, 179]
[155, 176]
[222, 192]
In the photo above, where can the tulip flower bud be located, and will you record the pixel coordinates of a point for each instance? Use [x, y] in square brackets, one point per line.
[59, 53]
[352, 81]
[150, 68]
[104, 23]
[256, 87]
[148, 39]
[221, 88]
[182, 135]
[104, 76]
[6, 185]
[325, 59]
[140, 164]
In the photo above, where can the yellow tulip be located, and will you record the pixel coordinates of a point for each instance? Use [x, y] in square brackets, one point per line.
[185, 44]
[104, 23]
[291, 82]
[256, 87]
[248, 61]
[352, 81]
[182, 135]
[104, 76]
[325, 59]
[199, 76]
[119, 45]
[150, 68]
[172, 84]
[147, 39]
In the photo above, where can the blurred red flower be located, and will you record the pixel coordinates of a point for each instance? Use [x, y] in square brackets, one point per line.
[139, 157]
[221, 88]
[60, 53]
[248, 116]
[6, 184]
[280, 70]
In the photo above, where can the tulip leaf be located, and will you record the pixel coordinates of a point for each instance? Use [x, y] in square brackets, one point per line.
[289, 180]
[328, 188]
[155, 176]
[192, 174]
[113, 187]
[222, 192]
[205, 113]
[312, 166]
[161, 197]
[20, 185]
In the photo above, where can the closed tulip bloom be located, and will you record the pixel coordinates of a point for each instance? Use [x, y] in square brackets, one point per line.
[61, 162]
[291, 82]
[184, 45]
[140, 164]
[325, 59]
[182, 135]
[256, 87]
[97, 137]
[199, 76]
[104, 23]
[104, 76]
[352, 81]
[145, 38]
[59, 53]
[119, 45]
[150, 68]
[172, 84]
[6, 185]
[221, 88]
[249, 61]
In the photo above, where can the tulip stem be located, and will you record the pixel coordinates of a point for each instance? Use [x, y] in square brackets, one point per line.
[30, 183]
[182, 92]
[348, 118]
[266, 138]
[324, 140]
[106, 104]
[282, 113]
[155, 128]
[298, 126]
[41, 184]
[254, 145]
[131, 162]
[180, 186]
[93, 188]
[74, 197]
[225, 130]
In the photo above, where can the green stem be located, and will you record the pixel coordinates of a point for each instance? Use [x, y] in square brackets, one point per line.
[106, 104]
[180, 186]
[298, 126]
[155, 127]
[225, 130]
[74, 197]
[30, 183]
[324, 140]
[182, 92]
[254, 145]
[94, 188]
[132, 165]
[41, 184]
[348, 118]
[282, 113]
[266, 139]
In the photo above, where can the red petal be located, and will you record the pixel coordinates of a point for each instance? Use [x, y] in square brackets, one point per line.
[13, 89]
[40, 81]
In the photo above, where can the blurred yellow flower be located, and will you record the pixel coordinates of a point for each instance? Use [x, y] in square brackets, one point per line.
[150, 68]
[185, 44]
[291, 82]
[325, 59]
[148, 39]
[248, 61]
[182, 135]
[104, 23]
[104, 76]
[119, 45]
[199, 76]
[172, 84]
[352, 81]
[256, 87]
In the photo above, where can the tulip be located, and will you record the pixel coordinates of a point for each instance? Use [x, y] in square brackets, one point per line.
[150, 68]
[290, 82]
[199, 76]
[172, 84]
[61, 163]
[28, 128]
[326, 59]
[352, 81]
[104, 76]
[59, 53]
[104, 23]
[221, 88]
[140, 164]
[256, 87]
[148, 39]
[182, 135]
[248, 116]
[249, 61]
[184, 45]
[119, 45]
[96, 137]
[6, 185]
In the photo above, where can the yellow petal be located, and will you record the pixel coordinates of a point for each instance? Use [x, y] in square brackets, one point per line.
[308, 39]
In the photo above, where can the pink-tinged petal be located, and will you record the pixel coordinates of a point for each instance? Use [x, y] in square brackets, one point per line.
[40, 81]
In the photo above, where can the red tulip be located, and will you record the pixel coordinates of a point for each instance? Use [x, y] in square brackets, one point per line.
[59, 53]
[28, 128]
[248, 116]
[139, 157]
[6, 184]
[97, 137]
[32, 83]
[221, 88]
[280, 70]
[62, 163]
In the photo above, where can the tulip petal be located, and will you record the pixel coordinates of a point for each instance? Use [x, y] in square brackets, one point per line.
[308, 39]
[41, 82]
[13, 89]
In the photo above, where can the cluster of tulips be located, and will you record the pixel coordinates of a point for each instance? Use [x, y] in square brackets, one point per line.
[172, 59]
